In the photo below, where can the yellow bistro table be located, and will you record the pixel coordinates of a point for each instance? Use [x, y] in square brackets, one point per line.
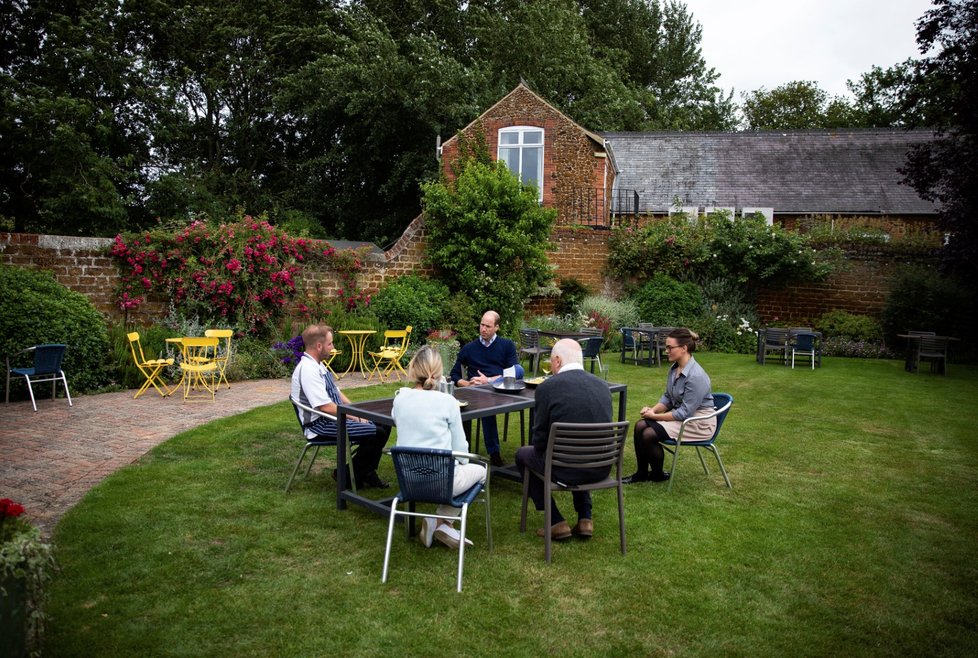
[357, 338]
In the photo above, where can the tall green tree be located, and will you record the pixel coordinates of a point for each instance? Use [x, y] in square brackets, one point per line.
[946, 169]
[796, 105]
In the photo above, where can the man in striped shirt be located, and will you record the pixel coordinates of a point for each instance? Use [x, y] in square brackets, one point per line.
[313, 385]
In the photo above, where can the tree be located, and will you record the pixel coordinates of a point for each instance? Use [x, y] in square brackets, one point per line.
[945, 169]
[795, 105]
[487, 235]
[321, 113]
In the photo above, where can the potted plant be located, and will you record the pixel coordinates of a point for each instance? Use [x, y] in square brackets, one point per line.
[26, 563]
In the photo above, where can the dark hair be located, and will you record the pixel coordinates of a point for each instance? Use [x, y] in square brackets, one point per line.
[685, 337]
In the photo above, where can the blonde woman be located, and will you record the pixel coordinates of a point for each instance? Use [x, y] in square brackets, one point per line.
[427, 418]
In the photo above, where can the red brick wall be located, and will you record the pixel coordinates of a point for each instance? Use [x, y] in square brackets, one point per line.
[82, 265]
[570, 164]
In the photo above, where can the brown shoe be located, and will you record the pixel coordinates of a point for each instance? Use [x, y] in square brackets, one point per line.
[584, 528]
[557, 531]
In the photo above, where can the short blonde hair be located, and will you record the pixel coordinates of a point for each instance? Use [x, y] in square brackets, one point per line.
[425, 368]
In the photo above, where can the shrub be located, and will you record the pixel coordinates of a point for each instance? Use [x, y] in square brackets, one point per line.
[864, 349]
[572, 293]
[411, 300]
[37, 309]
[726, 333]
[487, 236]
[743, 249]
[839, 323]
[665, 301]
[921, 300]
[609, 314]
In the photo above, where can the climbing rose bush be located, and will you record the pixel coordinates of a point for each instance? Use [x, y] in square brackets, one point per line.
[241, 273]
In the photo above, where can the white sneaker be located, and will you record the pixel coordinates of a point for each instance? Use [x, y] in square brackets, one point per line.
[449, 536]
[428, 525]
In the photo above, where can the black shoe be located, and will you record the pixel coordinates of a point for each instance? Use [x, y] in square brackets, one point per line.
[496, 460]
[660, 478]
[372, 481]
[636, 477]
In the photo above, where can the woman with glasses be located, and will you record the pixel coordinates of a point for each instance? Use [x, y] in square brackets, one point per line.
[688, 394]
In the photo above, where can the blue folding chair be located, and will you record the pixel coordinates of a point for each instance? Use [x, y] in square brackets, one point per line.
[721, 403]
[427, 475]
[47, 368]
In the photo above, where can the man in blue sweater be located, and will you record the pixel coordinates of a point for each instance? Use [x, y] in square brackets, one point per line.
[484, 360]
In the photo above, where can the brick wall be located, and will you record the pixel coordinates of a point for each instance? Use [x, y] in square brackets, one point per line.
[573, 162]
[82, 265]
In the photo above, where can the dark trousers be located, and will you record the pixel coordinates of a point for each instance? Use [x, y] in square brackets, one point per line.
[536, 460]
[367, 450]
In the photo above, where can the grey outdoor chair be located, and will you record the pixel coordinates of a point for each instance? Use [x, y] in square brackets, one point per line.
[580, 446]
[932, 349]
[530, 346]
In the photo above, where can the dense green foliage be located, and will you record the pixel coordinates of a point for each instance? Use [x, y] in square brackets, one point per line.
[849, 325]
[488, 235]
[323, 114]
[666, 302]
[37, 309]
[920, 300]
[194, 550]
[742, 249]
[944, 170]
[572, 293]
[412, 301]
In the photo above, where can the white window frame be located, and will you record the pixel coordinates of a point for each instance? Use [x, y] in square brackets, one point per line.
[521, 145]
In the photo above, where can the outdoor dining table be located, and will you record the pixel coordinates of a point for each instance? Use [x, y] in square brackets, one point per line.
[358, 339]
[480, 402]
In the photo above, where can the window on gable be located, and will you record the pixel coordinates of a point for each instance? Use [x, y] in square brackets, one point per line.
[521, 148]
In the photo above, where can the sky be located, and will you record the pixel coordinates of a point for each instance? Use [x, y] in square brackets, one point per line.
[766, 43]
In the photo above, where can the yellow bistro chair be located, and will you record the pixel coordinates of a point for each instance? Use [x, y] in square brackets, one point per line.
[151, 369]
[198, 364]
[329, 359]
[223, 355]
[390, 354]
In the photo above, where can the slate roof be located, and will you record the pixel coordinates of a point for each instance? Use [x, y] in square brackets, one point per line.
[824, 171]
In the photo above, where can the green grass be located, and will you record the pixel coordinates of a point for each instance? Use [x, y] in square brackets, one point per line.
[851, 530]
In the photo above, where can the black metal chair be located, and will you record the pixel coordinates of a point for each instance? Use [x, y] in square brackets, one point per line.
[776, 342]
[591, 349]
[47, 368]
[530, 346]
[427, 475]
[316, 443]
[580, 446]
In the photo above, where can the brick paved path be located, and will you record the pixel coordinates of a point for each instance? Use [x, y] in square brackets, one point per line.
[50, 459]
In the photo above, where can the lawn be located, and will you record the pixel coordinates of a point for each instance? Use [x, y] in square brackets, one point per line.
[851, 530]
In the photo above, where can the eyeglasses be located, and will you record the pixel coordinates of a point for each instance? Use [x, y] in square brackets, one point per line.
[671, 347]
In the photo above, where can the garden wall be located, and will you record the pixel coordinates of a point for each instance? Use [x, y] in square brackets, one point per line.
[82, 265]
